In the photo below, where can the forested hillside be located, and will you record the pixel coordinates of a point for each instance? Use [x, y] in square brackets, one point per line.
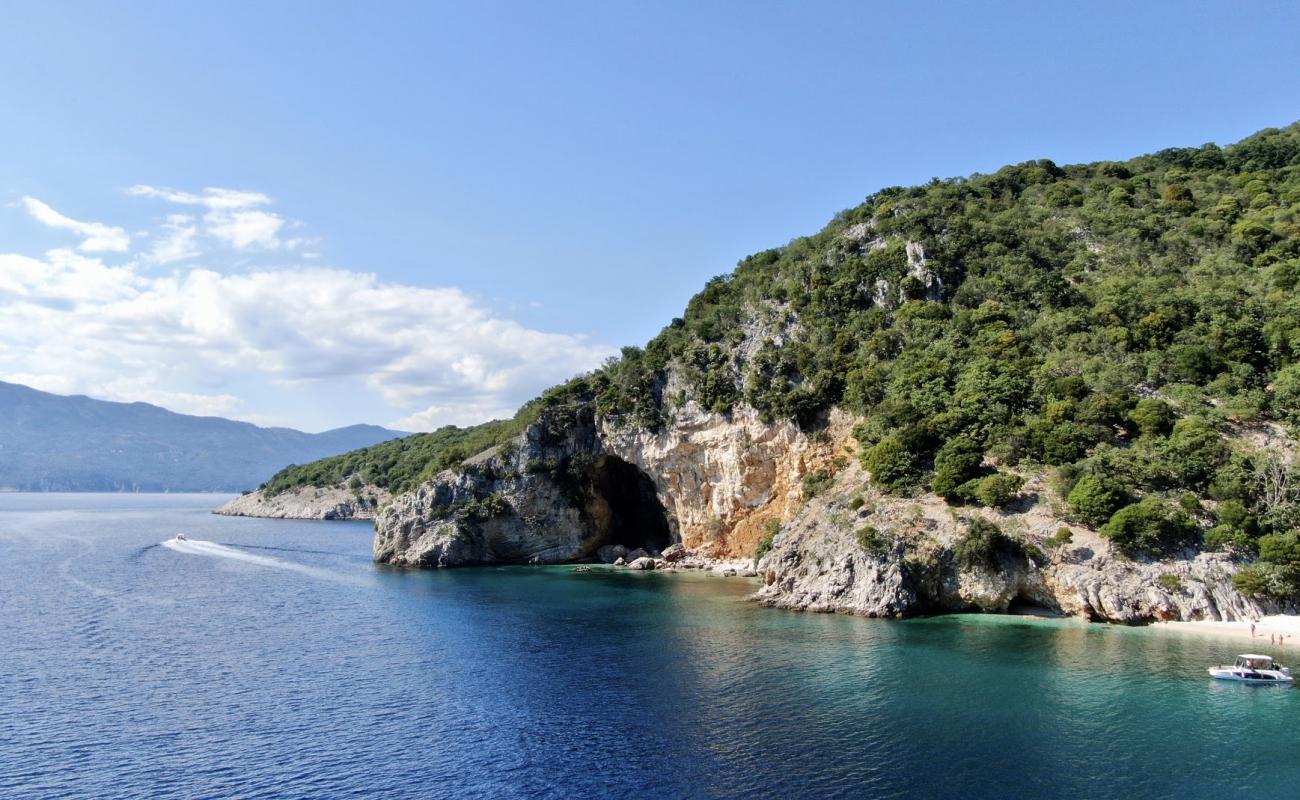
[1120, 323]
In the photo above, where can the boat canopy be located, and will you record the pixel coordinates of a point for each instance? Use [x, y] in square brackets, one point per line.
[1255, 661]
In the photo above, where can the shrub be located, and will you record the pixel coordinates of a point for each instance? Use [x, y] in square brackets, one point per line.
[998, 490]
[771, 528]
[1066, 441]
[1063, 536]
[1286, 394]
[957, 462]
[1264, 580]
[1282, 549]
[891, 464]
[1147, 526]
[1153, 417]
[1233, 513]
[816, 482]
[1226, 537]
[857, 502]
[982, 545]
[1095, 499]
[1170, 581]
[873, 541]
[1193, 452]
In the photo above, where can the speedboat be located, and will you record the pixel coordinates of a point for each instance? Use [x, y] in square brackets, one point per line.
[180, 537]
[1250, 668]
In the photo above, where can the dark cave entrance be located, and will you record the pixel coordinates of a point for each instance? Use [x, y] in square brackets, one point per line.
[630, 514]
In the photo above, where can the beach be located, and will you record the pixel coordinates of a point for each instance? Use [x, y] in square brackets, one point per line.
[1284, 625]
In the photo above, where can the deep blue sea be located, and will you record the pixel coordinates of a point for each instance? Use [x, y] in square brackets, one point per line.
[271, 659]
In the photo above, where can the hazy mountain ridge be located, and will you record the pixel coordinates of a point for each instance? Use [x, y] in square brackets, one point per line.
[52, 442]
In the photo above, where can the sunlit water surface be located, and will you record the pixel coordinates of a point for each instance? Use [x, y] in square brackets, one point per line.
[269, 659]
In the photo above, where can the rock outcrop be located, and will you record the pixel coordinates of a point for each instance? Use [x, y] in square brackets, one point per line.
[574, 487]
[309, 502]
[899, 557]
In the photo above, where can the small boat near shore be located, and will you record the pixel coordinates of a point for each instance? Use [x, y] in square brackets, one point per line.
[1252, 668]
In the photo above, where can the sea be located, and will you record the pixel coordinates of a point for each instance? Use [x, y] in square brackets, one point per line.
[272, 659]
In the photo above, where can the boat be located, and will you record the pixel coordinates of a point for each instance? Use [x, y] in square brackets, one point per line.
[1252, 668]
[180, 537]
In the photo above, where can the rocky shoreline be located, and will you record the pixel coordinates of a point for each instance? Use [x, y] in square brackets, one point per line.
[583, 489]
[675, 558]
[309, 502]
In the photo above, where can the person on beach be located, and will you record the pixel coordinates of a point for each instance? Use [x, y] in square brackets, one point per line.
[1252, 630]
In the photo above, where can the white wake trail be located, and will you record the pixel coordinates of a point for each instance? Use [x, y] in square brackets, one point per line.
[199, 547]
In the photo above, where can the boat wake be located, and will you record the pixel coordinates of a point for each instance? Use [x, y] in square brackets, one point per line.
[199, 547]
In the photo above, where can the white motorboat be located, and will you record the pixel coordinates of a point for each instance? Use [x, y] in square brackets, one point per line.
[180, 537]
[1251, 668]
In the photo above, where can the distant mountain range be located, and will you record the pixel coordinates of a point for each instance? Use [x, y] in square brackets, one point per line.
[51, 442]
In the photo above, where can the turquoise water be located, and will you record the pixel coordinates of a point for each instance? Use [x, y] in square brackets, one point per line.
[272, 659]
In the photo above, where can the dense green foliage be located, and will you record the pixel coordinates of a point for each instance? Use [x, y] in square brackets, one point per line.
[401, 464]
[1094, 498]
[1277, 573]
[1111, 320]
[1150, 525]
[997, 490]
[983, 544]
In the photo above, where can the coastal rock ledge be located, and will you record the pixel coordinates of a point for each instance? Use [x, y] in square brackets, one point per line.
[308, 502]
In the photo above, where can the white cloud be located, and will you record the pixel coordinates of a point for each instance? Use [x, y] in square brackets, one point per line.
[245, 229]
[72, 323]
[96, 236]
[211, 197]
[179, 241]
[232, 215]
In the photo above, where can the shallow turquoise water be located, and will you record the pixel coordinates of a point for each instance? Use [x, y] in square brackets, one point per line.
[278, 662]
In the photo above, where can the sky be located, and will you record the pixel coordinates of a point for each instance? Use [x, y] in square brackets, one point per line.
[319, 214]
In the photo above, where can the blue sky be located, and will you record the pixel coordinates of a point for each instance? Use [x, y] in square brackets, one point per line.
[317, 214]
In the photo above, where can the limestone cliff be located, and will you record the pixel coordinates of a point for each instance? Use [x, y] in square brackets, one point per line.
[309, 502]
[573, 482]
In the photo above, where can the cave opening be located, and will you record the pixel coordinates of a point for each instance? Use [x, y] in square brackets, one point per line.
[631, 513]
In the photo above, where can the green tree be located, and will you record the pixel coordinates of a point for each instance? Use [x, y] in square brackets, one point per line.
[891, 464]
[1153, 417]
[1286, 394]
[996, 491]
[1147, 526]
[957, 462]
[1094, 499]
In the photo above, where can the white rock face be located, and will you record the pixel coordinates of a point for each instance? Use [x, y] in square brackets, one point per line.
[722, 478]
[819, 563]
[309, 502]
